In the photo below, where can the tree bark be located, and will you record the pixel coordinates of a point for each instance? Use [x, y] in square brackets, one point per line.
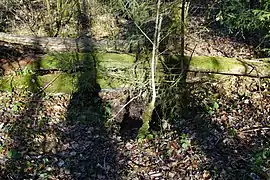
[183, 28]
[48, 44]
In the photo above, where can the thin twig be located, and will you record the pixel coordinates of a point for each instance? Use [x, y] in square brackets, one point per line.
[123, 107]
[47, 85]
[193, 52]
[261, 95]
[170, 32]
[145, 35]
[163, 51]
[259, 83]
[254, 129]
[52, 81]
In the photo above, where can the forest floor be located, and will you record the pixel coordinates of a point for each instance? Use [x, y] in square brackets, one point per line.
[224, 133]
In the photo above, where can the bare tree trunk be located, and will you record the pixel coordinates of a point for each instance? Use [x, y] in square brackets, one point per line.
[183, 28]
[155, 52]
[147, 114]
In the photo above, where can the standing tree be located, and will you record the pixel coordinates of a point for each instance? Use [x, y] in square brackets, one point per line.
[147, 114]
[140, 13]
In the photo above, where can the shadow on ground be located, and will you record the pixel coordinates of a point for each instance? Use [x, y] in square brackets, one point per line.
[42, 143]
[226, 131]
[95, 155]
[231, 151]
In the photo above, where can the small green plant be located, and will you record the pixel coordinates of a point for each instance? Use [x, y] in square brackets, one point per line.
[185, 141]
[107, 110]
[261, 162]
[211, 109]
[16, 107]
[25, 71]
[232, 132]
[150, 136]
[13, 154]
[262, 157]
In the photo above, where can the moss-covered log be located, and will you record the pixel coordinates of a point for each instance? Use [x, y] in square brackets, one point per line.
[204, 64]
[219, 65]
[56, 83]
[112, 70]
[115, 70]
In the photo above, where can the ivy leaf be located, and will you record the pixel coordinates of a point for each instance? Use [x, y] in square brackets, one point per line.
[185, 146]
[13, 154]
[215, 105]
[15, 108]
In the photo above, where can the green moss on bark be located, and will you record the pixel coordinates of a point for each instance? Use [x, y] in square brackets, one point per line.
[147, 115]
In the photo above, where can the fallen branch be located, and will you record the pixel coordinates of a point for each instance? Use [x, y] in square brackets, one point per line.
[57, 44]
[230, 74]
[254, 129]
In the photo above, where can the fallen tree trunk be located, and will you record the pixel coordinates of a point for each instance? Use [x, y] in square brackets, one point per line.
[168, 64]
[217, 65]
[259, 68]
[56, 44]
[114, 70]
